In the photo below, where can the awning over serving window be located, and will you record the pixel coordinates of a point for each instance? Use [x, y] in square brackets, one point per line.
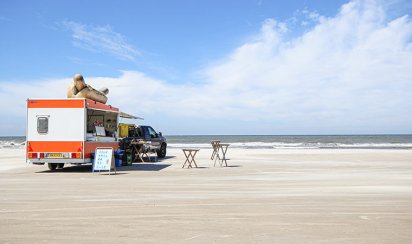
[128, 116]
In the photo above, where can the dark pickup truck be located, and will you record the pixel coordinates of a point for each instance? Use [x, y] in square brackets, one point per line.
[147, 133]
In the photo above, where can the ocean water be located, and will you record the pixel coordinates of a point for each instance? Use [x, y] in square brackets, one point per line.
[272, 142]
[297, 142]
[12, 141]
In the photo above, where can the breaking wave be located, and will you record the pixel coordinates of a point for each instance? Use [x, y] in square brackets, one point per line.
[283, 145]
[13, 144]
[271, 142]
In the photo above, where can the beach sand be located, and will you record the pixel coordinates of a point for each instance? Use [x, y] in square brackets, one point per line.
[266, 196]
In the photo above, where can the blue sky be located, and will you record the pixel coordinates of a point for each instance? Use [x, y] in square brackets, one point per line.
[170, 36]
[218, 67]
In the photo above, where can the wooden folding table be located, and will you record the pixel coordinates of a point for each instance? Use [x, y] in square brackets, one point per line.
[190, 154]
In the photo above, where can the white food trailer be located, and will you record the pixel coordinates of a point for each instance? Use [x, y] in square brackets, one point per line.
[62, 131]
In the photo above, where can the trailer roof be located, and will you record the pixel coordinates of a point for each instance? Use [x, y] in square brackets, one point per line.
[55, 103]
[101, 106]
[69, 103]
[75, 103]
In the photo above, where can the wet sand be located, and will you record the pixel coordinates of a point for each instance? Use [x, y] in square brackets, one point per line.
[265, 196]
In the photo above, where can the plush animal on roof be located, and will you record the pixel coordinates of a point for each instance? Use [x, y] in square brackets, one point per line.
[79, 89]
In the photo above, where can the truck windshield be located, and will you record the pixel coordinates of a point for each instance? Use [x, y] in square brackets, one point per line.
[152, 132]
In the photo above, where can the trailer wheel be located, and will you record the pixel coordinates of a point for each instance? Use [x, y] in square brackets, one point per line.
[60, 166]
[52, 166]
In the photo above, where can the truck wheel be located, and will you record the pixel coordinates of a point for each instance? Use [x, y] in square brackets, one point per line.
[60, 166]
[161, 153]
[52, 166]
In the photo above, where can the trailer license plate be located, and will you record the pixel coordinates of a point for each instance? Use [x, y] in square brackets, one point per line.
[55, 155]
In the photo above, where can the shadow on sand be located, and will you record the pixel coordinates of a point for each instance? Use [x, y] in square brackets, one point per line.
[152, 159]
[70, 169]
[137, 166]
[165, 158]
[144, 167]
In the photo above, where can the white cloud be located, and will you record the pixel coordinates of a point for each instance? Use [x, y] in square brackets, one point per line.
[350, 69]
[21, 91]
[350, 73]
[101, 39]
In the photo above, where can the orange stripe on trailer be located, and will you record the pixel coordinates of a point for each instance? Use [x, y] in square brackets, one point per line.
[97, 105]
[56, 103]
[54, 146]
[90, 147]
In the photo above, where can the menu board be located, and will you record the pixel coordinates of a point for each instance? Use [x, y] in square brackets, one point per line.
[104, 159]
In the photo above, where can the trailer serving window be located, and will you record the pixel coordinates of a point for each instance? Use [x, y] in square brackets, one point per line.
[42, 124]
[101, 124]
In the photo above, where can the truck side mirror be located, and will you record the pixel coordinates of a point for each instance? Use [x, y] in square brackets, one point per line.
[160, 133]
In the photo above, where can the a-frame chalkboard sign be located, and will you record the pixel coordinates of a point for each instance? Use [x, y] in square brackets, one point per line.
[104, 160]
